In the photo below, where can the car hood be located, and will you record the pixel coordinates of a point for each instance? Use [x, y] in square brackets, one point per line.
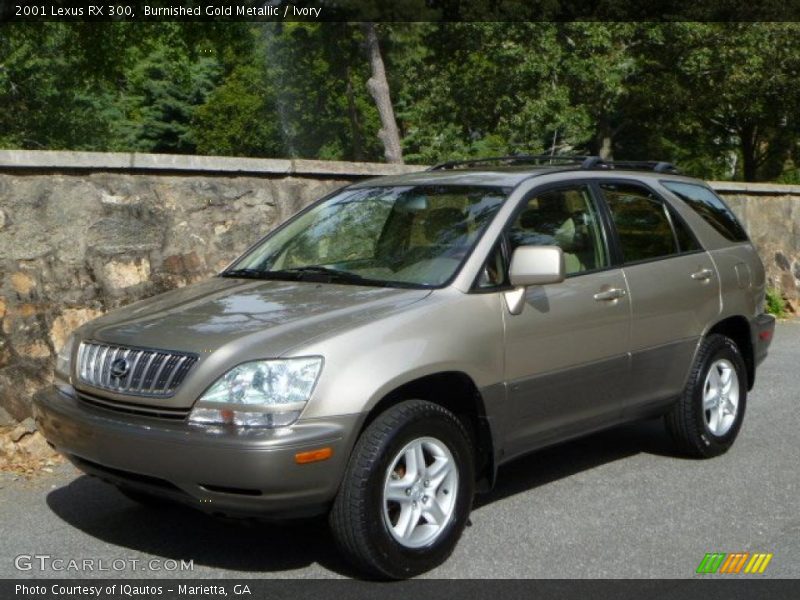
[270, 316]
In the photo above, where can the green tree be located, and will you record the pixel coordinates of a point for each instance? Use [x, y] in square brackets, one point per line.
[600, 62]
[48, 100]
[718, 98]
[738, 82]
[319, 72]
[238, 117]
[486, 88]
[161, 92]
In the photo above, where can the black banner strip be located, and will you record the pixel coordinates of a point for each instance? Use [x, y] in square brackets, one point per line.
[732, 588]
[398, 10]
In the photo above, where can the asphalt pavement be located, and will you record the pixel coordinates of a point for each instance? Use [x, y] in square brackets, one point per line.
[619, 504]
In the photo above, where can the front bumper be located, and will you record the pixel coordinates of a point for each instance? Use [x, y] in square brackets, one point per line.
[219, 470]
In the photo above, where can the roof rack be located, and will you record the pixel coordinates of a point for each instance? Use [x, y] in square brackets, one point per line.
[512, 159]
[582, 162]
[659, 166]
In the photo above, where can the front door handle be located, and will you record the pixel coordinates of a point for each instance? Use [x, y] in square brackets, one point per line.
[702, 275]
[612, 294]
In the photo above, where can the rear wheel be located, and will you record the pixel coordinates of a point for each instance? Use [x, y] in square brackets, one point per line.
[707, 417]
[407, 491]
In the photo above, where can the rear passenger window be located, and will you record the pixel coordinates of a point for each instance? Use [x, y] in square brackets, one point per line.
[686, 239]
[566, 217]
[644, 229]
[710, 207]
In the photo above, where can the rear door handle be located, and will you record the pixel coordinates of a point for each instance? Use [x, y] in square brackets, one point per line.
[702, 275]
[612, 294]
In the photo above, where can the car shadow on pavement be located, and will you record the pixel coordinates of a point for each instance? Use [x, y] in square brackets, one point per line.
[569, 458]
[99, 510]
[181, 533]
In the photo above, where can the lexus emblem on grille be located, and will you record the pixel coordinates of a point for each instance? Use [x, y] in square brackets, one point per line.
[119, 368]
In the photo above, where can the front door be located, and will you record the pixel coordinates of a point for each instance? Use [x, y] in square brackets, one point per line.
[567, 358]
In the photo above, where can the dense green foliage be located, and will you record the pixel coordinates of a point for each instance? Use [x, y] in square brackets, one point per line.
[776, 305]
[721, 99]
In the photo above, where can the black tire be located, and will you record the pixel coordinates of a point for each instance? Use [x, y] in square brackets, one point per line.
[686, 422]
[145, 499]
[357, 518]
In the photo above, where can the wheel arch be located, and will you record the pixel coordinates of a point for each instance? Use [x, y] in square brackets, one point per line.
[456, 391]
[737, 328]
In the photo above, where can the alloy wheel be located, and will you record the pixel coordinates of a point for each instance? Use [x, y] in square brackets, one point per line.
[720, 397]
[419, 494]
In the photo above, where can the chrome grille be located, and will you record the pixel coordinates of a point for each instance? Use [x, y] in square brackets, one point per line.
[145, 373]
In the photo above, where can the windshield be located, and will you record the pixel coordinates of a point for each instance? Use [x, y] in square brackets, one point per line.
[408, 236]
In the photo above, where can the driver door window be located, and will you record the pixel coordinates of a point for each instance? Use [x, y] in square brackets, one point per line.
[565, 217]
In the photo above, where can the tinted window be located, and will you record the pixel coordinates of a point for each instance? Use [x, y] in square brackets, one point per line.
[642, 223]
[568, 218]
[709, 206]
[686, 240]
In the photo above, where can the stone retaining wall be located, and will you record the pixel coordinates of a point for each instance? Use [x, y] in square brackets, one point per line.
[82, 233]
[771, 215]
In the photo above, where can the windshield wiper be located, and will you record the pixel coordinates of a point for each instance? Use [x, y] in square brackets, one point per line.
[246, 273]
[333, 274]
[340, 276]
[294, 273]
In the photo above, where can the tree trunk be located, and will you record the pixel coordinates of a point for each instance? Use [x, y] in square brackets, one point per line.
[378, 87]
[605, 140]
[355, 121]
[749, 146]
[605, 148]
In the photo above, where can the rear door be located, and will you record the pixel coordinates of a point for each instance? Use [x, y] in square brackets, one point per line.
[673, 285]
[567, 351]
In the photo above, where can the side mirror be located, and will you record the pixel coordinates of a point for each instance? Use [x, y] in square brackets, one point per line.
[536, 265]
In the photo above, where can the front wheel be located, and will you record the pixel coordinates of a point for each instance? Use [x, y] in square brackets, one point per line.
[407, 491]
[707, 417]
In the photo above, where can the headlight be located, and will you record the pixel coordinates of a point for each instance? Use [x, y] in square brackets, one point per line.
[64, 357]
[265, 393]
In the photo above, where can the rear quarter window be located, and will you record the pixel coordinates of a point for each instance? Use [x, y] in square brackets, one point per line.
[710, 207]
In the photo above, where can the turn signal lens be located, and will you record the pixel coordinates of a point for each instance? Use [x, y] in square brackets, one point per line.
[302, 458]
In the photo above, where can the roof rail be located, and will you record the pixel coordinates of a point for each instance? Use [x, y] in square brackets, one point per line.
[583, 162]
[513, 159]
[659, 166]
[592, 162]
